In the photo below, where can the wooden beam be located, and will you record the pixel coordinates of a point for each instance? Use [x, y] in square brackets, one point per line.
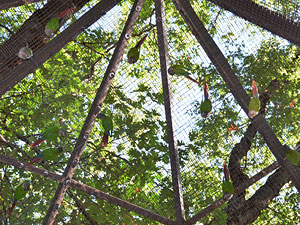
[47, 51]
[94, 110]
[233, 83]
[87, 189]
[272, 21]
[167, 93]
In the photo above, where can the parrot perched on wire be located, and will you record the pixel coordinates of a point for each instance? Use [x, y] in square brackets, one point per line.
[19, 194]
[107, 124]
[254, 104]
[134, 53]
[293, 155]
[25, 53]
[227, 185]
[179, 70]
[206, 105]
[50, 134]
[51, 154]
[53, 24]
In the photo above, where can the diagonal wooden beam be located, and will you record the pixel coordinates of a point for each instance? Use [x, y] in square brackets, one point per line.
[233, 83]
[94, 111]
[47, 51]
[87, 189]
[209, 209]
[263, 17]
[167, 93]
[6, 4]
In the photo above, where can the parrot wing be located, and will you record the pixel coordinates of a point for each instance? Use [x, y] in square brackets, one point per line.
[51, 133]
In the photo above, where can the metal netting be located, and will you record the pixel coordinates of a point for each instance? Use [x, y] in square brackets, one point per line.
[135, 166]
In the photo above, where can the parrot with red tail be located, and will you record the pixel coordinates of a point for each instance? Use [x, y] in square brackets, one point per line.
[206, 105]
[53, 24]
[179, 70]
[227, 185]
[50, 134]
[133, 54]
[107, 124]
[254, 104]
[20, 193]
[51, 154]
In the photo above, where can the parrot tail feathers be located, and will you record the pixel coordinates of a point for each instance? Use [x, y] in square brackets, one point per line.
[39, 141]
[192, 79]
[141, 41]
[62, 14]
[205, 88]
[104, 141]
[12, 208]
[254, 89]
[226, 172]
[35, 160]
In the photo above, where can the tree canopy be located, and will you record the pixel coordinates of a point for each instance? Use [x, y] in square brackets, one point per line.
[135, 166]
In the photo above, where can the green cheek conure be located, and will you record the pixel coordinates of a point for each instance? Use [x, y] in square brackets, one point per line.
[107, 124]
[53, 24]
[50, 134]
[254, 104]
[293, 155]
[20, 193]
[227, 185]
[179, 70]
[51, 154]
[206, 105]
[133, 54]
[25, 53]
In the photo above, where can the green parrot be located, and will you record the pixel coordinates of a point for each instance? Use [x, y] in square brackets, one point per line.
[254, 104]
[134, 53]
[20, 193]
[206, 105]
[25, 53]
[107, 124]
[53, 24]
[51, 154]
[50, 134]
[293, 155]
[227, 185]
[179, 70]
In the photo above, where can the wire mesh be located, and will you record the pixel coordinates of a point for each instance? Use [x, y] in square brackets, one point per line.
[135, 164]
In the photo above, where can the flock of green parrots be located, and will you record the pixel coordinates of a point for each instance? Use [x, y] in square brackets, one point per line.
[52, 133]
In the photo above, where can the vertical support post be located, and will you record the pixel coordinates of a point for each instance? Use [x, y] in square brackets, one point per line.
[167, 93]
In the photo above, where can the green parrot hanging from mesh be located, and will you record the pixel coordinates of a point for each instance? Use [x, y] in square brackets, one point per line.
[49, 154]
[254, 104]
[53, 24]
[293, 155]
[206, 105]
[107, 124]
[50, 134]
[25, 53]
[19, 194]
[179, 70]
[227, 185]
[133, 54]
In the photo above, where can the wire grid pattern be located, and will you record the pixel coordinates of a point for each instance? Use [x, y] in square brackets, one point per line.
[288, 8]
[38, 13]
[181, 107]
